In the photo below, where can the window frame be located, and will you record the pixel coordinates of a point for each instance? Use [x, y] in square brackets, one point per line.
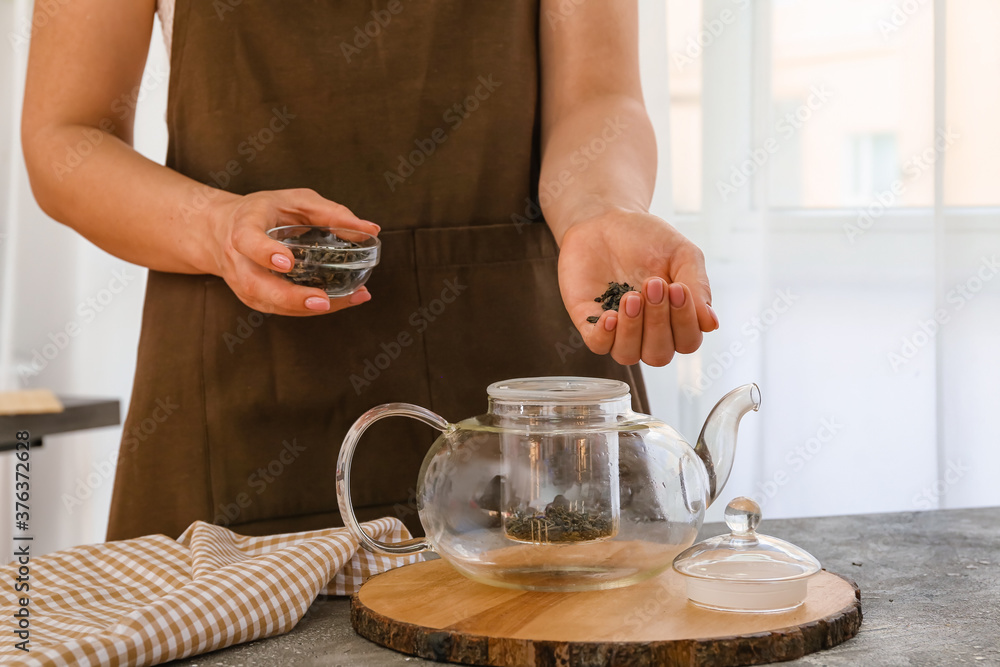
[749, 88]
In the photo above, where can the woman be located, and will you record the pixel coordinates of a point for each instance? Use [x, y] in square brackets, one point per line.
[445, 122]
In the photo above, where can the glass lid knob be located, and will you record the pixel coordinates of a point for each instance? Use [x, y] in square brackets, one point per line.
[743, 516]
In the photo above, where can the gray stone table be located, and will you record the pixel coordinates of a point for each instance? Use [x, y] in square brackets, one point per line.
[930, 593]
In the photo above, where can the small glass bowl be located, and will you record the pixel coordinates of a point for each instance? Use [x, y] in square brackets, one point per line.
[338, 261]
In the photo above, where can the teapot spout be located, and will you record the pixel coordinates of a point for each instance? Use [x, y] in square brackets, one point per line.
[717, 442]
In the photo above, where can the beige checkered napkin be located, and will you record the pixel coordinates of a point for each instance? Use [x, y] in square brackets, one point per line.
[152, 599]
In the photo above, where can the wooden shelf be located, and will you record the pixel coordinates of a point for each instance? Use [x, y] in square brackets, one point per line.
[79, 414]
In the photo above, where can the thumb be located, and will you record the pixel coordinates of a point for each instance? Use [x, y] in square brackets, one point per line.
[314, 209]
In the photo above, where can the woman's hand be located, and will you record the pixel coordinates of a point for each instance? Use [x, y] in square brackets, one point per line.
[245, 255]
[599, 170]
[674, 306]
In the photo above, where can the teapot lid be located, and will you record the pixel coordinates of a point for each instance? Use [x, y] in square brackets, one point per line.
[566, 389]
[744, 555]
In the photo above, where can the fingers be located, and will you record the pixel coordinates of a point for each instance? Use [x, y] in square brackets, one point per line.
[312, 305]
[683, 319]
[248, 255]
[251, 241]
[314, 209]
[627, 347]
[650, 327]
[657, 337]
[267, 293]
[691, 272]
[325, 304]
[301, 206]
[601, 335]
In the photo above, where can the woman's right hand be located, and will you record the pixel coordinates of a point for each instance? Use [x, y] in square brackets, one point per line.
[245, 255]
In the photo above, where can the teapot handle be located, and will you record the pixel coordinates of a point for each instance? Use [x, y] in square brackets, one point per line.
[412, 546]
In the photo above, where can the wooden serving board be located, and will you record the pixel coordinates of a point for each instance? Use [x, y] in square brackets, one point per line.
[430, 610]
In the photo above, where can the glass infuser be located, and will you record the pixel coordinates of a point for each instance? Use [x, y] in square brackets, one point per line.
[559, 479]
[560, 486]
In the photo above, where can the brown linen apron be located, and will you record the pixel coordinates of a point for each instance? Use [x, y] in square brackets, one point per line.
[421, 115]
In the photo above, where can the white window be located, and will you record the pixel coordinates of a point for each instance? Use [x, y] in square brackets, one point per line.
[836, 160]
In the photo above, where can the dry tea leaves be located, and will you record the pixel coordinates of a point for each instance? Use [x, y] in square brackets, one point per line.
[611, 298]
[319, 265]
[558, 523]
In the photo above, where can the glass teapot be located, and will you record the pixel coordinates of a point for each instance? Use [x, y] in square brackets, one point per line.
[560, 486]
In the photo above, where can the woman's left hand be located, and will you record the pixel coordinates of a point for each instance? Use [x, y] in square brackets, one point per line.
[674, 306]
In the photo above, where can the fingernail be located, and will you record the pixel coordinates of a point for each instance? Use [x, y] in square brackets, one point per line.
[359, 297]
[281, 262]
[715, 318]
[610, 322]
[633, 304]
[676, 295]
[318, 303]
[654, 291]
[378, 227]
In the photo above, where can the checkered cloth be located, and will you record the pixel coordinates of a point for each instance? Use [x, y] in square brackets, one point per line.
[153, 599]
